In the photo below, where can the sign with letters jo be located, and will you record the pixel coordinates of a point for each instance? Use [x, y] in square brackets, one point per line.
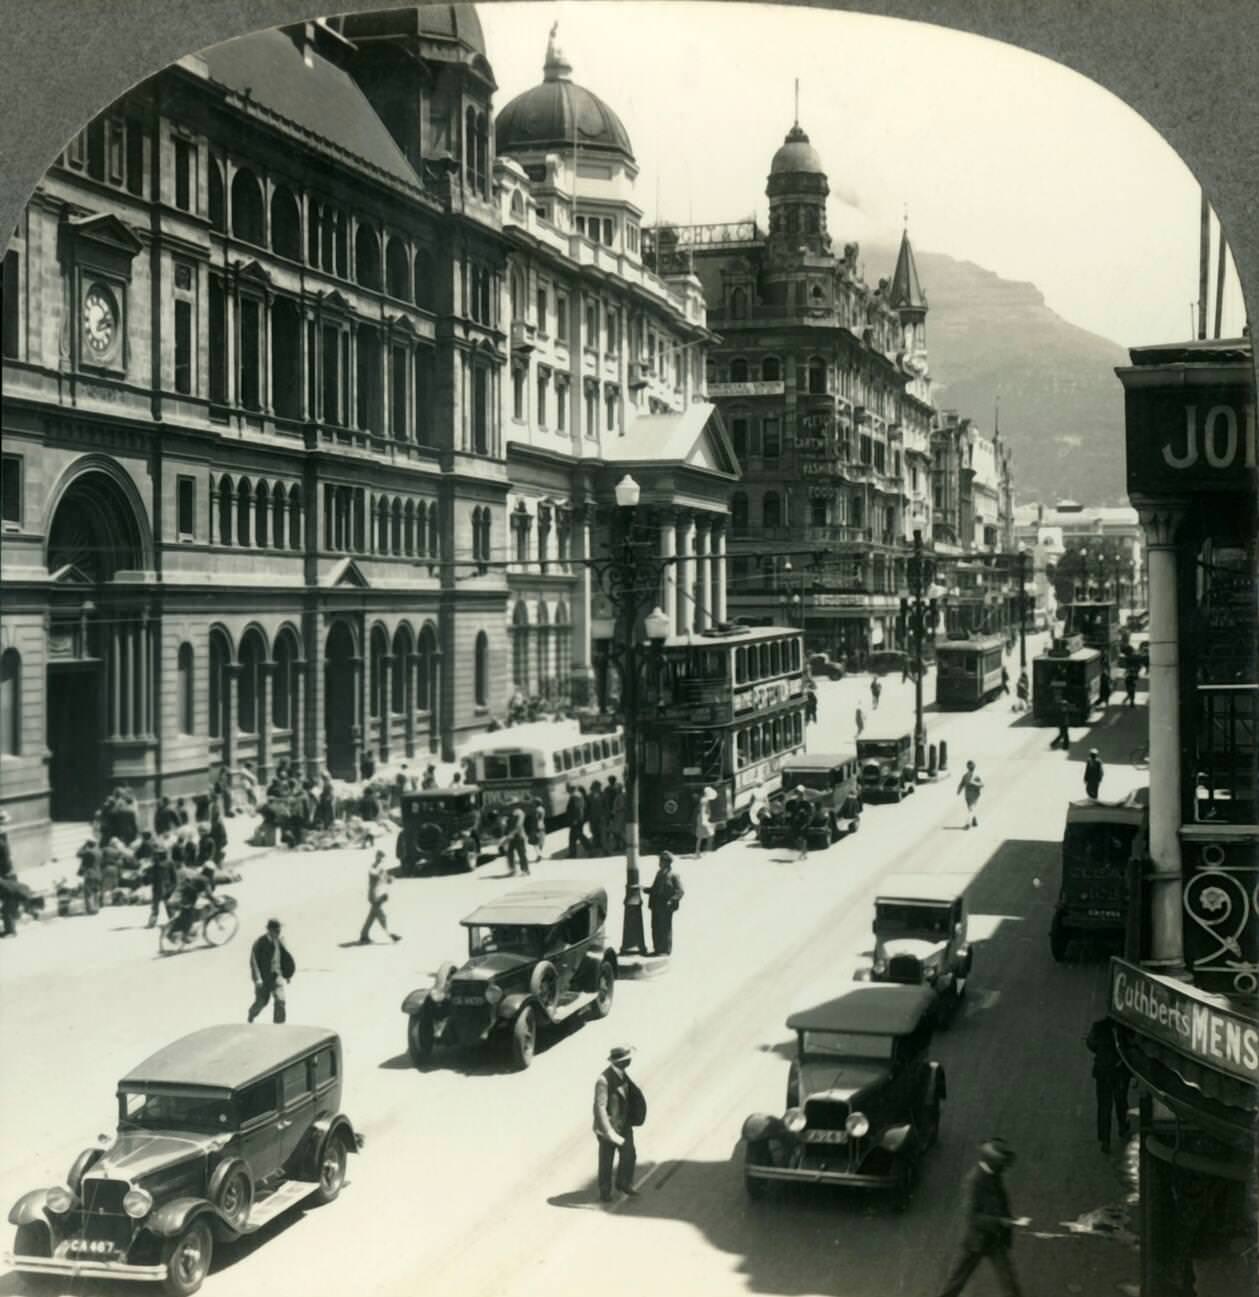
[1190, 439]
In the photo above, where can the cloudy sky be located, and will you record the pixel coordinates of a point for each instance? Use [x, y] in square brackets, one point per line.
[1002, 158]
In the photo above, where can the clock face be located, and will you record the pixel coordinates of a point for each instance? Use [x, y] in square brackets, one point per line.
[100, 319]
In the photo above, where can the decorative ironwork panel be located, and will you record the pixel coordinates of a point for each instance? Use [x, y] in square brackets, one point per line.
[1221, 902]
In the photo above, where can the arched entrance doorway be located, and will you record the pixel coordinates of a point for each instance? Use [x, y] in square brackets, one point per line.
[341, 665]
[101, 667]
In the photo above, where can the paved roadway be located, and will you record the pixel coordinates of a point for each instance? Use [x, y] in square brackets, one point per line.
[478, 1181]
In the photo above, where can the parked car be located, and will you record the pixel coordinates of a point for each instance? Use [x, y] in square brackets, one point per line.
[821, 666]
[863, 1097]
[887, 660]
[444, 828]
[1097, 842]
[920, 937]
[830, 783]
[218, 1133]
[887, 764]
[535, 957]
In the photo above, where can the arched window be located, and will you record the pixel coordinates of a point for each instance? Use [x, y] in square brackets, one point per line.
[425, 695]
[218, 211]
[738, 370]
[396, 530]
[739, 513]
[771, 510]
[817, 376]
[421, 527]
[220, 656]
[248, 690]
[739, 304]
[401, 664]
[408, 530]
[262, 510]
[295, 517]
[10, 703]
[227, 503]
[244, 507]
[283, 682]
[397, 271]
[247, 217]
[422, 278]
[376, 673]
[367, 257]
[771, 370]
[279, 533]
[563, 648]
[286, 224]
[434, 535]
[517, 206]
[481, 669]
[520, 647]
[185, 697]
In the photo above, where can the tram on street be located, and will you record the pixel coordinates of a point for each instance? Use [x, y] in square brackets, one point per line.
[968, 672]
[540, 759]
[724, 710]
[1097, 624]
[1066, 672]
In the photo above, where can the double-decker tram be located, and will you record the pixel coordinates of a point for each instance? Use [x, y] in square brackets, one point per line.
[1066, 672]
[968, 672]
[1096, 622]
[724, 711]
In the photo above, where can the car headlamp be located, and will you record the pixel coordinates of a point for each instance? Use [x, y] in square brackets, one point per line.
[137, 1203]
[794, 1120]
[880, 966]
[437, 993]
[857, 1125]
[59, 1200]
[493, 993]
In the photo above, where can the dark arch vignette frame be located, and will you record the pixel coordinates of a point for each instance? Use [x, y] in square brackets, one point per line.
[1184, 68]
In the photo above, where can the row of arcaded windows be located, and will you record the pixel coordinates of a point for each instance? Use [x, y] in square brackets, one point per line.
[255, 514]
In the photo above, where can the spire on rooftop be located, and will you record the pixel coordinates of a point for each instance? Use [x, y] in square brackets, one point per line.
[556, 67]
[906, 292]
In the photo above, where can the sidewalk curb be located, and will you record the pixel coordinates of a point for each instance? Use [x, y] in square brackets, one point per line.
[641, 967]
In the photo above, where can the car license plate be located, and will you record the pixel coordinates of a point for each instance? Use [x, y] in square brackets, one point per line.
[467, 999]
[826, 1136]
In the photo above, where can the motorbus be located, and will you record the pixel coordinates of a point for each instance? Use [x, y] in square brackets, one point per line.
[724, 709]
[541, 759]
[1066, 672]
[968, 672]
[1097, 624]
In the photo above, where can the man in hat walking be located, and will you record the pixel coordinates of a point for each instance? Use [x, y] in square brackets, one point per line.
[271, 966]
[1093, 773]
[970, 786]
[1110, 1077]
[619, 1107]
[989, 1225]
[663, 898]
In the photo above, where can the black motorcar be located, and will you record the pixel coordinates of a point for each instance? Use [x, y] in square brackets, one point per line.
[829, 783]
[863, 1097]
[444, 828]
[537, 956]
[218, 1133]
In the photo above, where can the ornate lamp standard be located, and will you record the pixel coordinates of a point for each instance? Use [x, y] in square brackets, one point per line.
[630, 578]
[1024, 561]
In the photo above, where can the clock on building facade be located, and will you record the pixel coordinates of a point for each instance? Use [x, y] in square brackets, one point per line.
[101, 323]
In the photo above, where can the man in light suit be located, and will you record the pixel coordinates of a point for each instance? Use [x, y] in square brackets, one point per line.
[619, 1107]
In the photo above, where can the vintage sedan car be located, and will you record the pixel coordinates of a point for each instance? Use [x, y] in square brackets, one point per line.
[863, 1098]
[829, 780]
[920, 937]
[442, 828]
[536, 957]
[887, 764]
[823, 667]
[218, 1134]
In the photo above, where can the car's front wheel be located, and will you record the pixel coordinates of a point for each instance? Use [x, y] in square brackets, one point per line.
[187, 1258]
[331, 1169]
[524, 1037]
[232, 1192]
[421, 1037]
[605, 988]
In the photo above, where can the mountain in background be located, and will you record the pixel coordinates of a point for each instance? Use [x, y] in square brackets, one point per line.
[1062, 408]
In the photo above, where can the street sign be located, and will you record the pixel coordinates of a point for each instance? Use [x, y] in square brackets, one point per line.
[1185, 439]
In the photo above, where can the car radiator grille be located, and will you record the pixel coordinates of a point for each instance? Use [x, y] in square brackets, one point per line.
[826, 1114]
[101, 1218]
[104, 1196]
[904, 968]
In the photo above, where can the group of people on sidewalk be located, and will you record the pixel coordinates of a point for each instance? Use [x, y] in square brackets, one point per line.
[601, 809]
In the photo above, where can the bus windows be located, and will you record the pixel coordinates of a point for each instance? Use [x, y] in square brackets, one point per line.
[754, 742]
[797, 728]
[776, 657]
[617, 747]
[495, 767]
[520, 765]
[587, 754]
[605, 749]
[795, 655]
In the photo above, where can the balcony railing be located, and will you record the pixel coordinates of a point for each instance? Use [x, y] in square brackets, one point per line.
[1226, 770]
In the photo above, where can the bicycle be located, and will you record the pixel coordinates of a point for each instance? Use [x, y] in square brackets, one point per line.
[1140, 756]
[215, 924]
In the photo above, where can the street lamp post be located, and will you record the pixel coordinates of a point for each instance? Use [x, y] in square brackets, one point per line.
[1024, 556]
[917, 584]
[631, 580]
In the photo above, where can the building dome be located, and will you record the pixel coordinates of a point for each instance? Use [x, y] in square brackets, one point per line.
[448, 22]
[796, 155]
[550, 116]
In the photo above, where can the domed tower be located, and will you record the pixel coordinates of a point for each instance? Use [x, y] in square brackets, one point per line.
[576, 152]
[797, 190]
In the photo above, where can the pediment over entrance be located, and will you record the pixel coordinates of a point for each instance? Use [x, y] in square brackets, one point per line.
[106, 229]
[694, 437]
[69, 574]
[347, 572]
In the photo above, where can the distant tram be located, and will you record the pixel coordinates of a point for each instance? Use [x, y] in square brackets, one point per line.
[725, 711]
[968, 672]
[1096, 622]
[1068, 673]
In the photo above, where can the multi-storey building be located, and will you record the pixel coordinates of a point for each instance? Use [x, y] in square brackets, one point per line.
[1089, 552]
[823, 385]
[262, 361]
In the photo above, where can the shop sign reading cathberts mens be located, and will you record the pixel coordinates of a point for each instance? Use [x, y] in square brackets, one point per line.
[1177, 1016]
